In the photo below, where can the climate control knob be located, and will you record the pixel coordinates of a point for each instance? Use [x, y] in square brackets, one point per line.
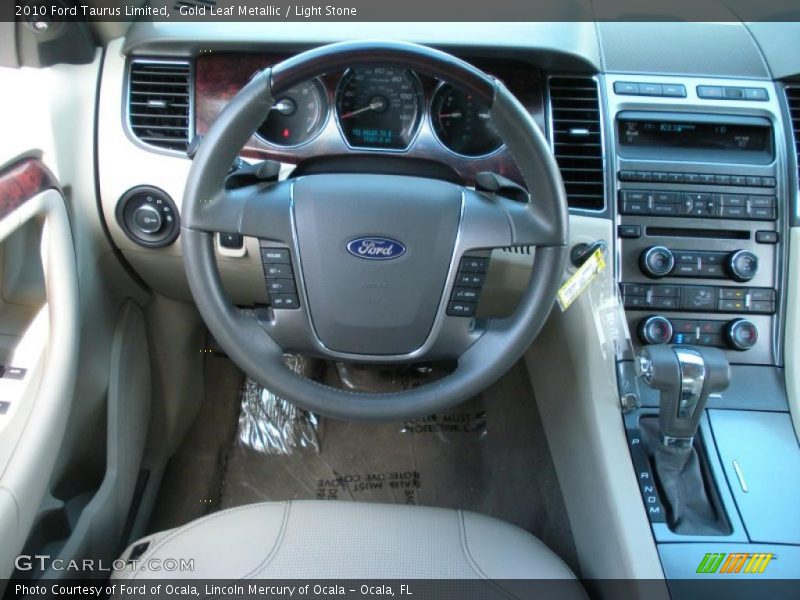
[657, 261]
[741, 334]
[655, 330]
[742, 265]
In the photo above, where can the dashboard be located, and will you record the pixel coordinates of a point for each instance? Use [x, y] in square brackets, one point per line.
[383, 110]
[693, 163]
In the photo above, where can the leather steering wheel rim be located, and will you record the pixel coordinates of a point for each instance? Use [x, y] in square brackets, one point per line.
[208, 208]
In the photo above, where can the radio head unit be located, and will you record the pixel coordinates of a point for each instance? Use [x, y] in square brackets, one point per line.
[695, 138]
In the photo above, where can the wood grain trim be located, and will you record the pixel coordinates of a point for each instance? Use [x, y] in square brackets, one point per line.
[21, 181]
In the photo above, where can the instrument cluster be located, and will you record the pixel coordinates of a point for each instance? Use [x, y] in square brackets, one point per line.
[381, 108]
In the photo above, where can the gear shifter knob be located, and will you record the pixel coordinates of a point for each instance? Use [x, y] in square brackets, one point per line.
[686, 376]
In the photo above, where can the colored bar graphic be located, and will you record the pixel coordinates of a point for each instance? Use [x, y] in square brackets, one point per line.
[710, 562]
[738, 562]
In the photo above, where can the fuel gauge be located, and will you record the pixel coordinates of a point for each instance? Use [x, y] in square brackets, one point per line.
[462, 122]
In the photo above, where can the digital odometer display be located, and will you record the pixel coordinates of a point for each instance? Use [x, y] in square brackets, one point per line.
[379, 107]
[693, 135]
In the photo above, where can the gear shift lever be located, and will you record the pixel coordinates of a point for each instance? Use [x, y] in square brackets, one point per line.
[686, 377]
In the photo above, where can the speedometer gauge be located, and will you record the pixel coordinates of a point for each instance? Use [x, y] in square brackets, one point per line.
[462, 122]
[379, 107]
[297, 116]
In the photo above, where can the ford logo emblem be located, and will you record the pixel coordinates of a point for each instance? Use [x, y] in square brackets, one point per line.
[376, 248]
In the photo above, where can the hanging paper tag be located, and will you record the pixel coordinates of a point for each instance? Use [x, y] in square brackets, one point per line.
[580, 280]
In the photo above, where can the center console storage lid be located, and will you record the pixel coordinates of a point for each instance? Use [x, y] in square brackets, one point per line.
[766, 484]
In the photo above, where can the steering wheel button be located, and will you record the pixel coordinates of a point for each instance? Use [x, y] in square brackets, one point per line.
[281, 286]
[468, 294]
[461, 309]
[469, 279]
[474, 264]
[285, 301]
[275, 255]
[278, 271]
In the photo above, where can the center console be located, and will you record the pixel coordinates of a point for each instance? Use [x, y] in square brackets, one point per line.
[702, 213]
[699, 229]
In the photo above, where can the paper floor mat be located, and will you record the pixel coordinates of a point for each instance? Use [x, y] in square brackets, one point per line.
[488, 455]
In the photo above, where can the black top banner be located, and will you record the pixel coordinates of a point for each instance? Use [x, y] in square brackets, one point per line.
[40, 11]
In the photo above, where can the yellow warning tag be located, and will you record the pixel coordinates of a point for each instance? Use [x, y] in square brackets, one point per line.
[580, 280]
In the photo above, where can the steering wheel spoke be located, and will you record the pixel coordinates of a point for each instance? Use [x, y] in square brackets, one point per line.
[261, 211]
[492, 221]
[529, 226]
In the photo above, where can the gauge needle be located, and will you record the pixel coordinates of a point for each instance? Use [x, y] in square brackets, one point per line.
[375, 105]
[453, 115]
[281, 106]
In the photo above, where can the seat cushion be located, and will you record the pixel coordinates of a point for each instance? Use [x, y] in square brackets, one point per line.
[347, 540]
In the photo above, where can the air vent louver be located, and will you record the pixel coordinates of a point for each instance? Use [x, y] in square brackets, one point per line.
[577, 140]
[159, 103]
[793, 98]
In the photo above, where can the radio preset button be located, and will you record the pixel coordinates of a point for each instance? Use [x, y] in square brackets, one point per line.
[706, 179]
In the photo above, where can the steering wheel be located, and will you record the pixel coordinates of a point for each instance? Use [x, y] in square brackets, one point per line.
[374, 258]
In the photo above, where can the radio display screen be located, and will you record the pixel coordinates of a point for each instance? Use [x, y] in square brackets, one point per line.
[726, 137]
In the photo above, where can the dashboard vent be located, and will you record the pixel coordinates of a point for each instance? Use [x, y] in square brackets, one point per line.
[159, 103]
[577, 140]
[793, 99]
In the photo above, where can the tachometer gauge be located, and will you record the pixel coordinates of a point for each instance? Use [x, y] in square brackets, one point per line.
[462, 122]
[379, 107]
[297, 116]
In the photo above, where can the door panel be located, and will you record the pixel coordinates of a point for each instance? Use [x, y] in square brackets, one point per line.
[39, 343]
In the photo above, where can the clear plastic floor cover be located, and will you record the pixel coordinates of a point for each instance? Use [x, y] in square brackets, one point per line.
[488, 455]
